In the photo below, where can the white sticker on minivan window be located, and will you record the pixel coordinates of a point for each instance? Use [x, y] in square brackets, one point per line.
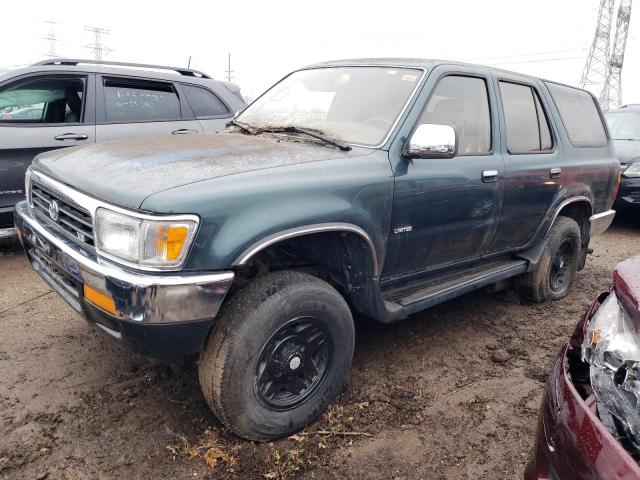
[409, 78]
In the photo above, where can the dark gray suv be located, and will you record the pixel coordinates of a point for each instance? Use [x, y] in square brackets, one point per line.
[67, 102]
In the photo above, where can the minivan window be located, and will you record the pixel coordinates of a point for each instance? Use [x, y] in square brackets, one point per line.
[579, 115]
[463, 103]
[130, 101]
[204, 103]
[526, 123]
[43, 101]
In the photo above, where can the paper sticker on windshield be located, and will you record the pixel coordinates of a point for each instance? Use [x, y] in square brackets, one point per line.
[391, 72]
[409, 78]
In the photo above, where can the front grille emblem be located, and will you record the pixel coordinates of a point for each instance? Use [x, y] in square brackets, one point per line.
[54, 210]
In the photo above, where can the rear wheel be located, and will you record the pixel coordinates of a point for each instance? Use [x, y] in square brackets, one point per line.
[556, 269]
[278, 355]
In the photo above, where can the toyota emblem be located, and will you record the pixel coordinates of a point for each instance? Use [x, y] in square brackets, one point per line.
[54, 210]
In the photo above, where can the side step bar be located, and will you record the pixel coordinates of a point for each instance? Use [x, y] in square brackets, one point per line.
[414, 297]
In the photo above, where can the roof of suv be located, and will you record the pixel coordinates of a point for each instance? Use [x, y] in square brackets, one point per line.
[425, 63]
[159, 72]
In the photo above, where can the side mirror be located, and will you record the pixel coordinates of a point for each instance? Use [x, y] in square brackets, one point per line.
[432, 141]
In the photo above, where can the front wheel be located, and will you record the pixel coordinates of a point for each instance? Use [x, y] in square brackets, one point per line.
[277, 356]
[554, 274]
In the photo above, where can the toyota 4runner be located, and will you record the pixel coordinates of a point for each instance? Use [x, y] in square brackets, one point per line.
[377, 187]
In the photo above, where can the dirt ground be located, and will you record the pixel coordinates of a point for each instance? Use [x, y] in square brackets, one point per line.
[452, 393]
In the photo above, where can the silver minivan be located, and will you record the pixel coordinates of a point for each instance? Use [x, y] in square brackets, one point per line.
[68, 102]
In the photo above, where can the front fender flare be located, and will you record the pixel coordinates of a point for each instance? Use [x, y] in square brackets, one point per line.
[299, 231]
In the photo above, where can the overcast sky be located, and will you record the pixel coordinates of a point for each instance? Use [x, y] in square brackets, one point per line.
[548, 38]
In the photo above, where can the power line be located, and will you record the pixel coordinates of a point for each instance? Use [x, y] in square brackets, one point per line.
[549, 52]
[539, 60]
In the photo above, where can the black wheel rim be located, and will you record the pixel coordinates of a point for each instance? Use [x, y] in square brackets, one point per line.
[560, 273]
[293, 363]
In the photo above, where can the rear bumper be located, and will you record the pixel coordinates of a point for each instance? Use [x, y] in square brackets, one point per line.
[152, 311]
[571, 441]
[601, 221]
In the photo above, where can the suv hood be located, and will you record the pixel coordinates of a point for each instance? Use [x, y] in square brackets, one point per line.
[125, 172]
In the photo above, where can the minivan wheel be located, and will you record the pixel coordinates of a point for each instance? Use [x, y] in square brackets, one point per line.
[277, 356]
[554, 274]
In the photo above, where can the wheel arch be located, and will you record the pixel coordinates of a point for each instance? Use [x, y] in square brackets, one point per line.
[317, 228]
[579, 209]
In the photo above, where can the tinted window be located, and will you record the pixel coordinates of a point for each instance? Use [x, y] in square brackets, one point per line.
[580, 116]
[52, 100]
[527, 127]
[463, 103]
[127, 101]
[204, 103]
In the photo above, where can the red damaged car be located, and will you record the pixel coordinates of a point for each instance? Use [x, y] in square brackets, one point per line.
[589, 425]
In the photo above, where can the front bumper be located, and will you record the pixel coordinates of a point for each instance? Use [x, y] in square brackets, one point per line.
[149, 308]
[571, 441]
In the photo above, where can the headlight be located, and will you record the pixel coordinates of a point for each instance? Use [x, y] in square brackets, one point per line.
[633, 170]
[612, 348]
[146, 242]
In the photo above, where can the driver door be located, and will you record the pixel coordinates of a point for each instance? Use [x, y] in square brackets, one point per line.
[446, 210]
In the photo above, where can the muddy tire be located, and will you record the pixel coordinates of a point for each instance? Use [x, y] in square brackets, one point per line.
[277, 356]
[553, 276]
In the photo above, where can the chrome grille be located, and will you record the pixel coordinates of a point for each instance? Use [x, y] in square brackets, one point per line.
[71, 218]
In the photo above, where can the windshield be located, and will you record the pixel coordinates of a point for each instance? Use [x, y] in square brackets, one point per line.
[624, 125]
[357, 105]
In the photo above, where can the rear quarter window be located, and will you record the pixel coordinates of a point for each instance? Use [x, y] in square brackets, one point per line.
[204, 103]
[580, 116]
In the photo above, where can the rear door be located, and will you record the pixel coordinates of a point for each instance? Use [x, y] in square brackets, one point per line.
[210, 110]
[534, 175]
[40, 112]
[139, 107]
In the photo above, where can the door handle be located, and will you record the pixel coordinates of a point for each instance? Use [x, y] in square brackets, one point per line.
[555, 172]
[489, 176]
[71, 136]
[183, 131]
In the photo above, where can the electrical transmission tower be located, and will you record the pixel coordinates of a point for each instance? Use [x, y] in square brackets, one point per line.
[612, 91]
[98, 49]
[228, 70]
[51, 39]
[603, 69]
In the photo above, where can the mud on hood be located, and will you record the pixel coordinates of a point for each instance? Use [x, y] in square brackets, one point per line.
[125, 172]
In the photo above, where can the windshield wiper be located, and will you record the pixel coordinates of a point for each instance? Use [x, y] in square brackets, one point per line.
[312, 133]
[247, 128]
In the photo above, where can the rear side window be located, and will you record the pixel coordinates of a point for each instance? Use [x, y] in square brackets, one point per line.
[43, 101]
[580, 116]
[526, 122]
[463, 103]
[131, 101]
[204, 103]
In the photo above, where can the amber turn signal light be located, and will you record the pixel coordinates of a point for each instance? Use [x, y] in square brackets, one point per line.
[99, 299]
